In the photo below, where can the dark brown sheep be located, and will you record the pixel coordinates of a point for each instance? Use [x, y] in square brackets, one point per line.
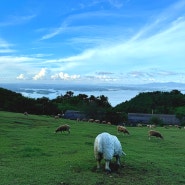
[155, 134]
[63, 128]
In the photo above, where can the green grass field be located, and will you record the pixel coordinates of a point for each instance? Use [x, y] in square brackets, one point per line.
[31, 154]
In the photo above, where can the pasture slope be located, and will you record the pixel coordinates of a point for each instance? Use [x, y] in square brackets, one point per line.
[31, 154]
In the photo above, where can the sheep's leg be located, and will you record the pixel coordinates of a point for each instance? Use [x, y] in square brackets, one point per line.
[98, 164]
[118, 160]
[107, 168]
[99, 158]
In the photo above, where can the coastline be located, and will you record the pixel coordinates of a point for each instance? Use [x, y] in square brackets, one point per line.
[116, 94]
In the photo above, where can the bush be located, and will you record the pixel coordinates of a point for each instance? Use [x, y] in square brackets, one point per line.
[156, 121]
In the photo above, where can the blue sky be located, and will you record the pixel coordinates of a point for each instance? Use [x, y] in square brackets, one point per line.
[92, 41]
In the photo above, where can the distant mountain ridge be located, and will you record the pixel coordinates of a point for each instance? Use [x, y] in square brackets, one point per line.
[97, 86]
[167, 84]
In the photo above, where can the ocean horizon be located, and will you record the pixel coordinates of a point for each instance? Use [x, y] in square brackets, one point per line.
[116, 94]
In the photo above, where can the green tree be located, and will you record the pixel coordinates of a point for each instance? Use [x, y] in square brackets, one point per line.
[156, 121]
[180, 114]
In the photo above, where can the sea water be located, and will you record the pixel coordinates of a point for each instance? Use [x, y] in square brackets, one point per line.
[116, 94]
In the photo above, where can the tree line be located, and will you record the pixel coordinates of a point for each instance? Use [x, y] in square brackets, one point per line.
[156, 102]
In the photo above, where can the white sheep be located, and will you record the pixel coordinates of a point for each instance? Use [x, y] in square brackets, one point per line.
[91, 120]
[151, 126]
[97, 121]
[26, 114]
[107, 146]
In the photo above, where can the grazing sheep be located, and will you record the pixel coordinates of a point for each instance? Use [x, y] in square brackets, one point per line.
[178, 126]
[152, 126]
[56, 117]
[84, 119]
[155, 134]
[165, 126]
[122, 129]
[97, 121]
[26, 114]
[107, 146]
[91, 120]
[63, 128]
[139, 125]
[108, 123]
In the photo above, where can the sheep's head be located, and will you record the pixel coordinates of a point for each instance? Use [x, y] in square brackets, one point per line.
[161, 136]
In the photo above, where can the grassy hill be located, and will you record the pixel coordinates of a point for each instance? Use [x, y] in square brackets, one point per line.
[31, 154]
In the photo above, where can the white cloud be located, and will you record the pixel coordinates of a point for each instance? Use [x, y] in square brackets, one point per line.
[3, 43]
[83, 56]
[5, 46]
[7, 50]
[17, 59]
[53, 33]
[87, 54]
[139, 46]
[74, 23]
[14, 20]
[111, 47]
[106, 78]
[116, 3]
[65, 76]
[21, 77]
[41, 74]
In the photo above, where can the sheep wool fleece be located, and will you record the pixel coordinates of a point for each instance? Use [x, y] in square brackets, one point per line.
[108, 145]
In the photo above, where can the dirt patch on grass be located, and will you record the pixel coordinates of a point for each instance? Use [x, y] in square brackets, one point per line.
[113, 166]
